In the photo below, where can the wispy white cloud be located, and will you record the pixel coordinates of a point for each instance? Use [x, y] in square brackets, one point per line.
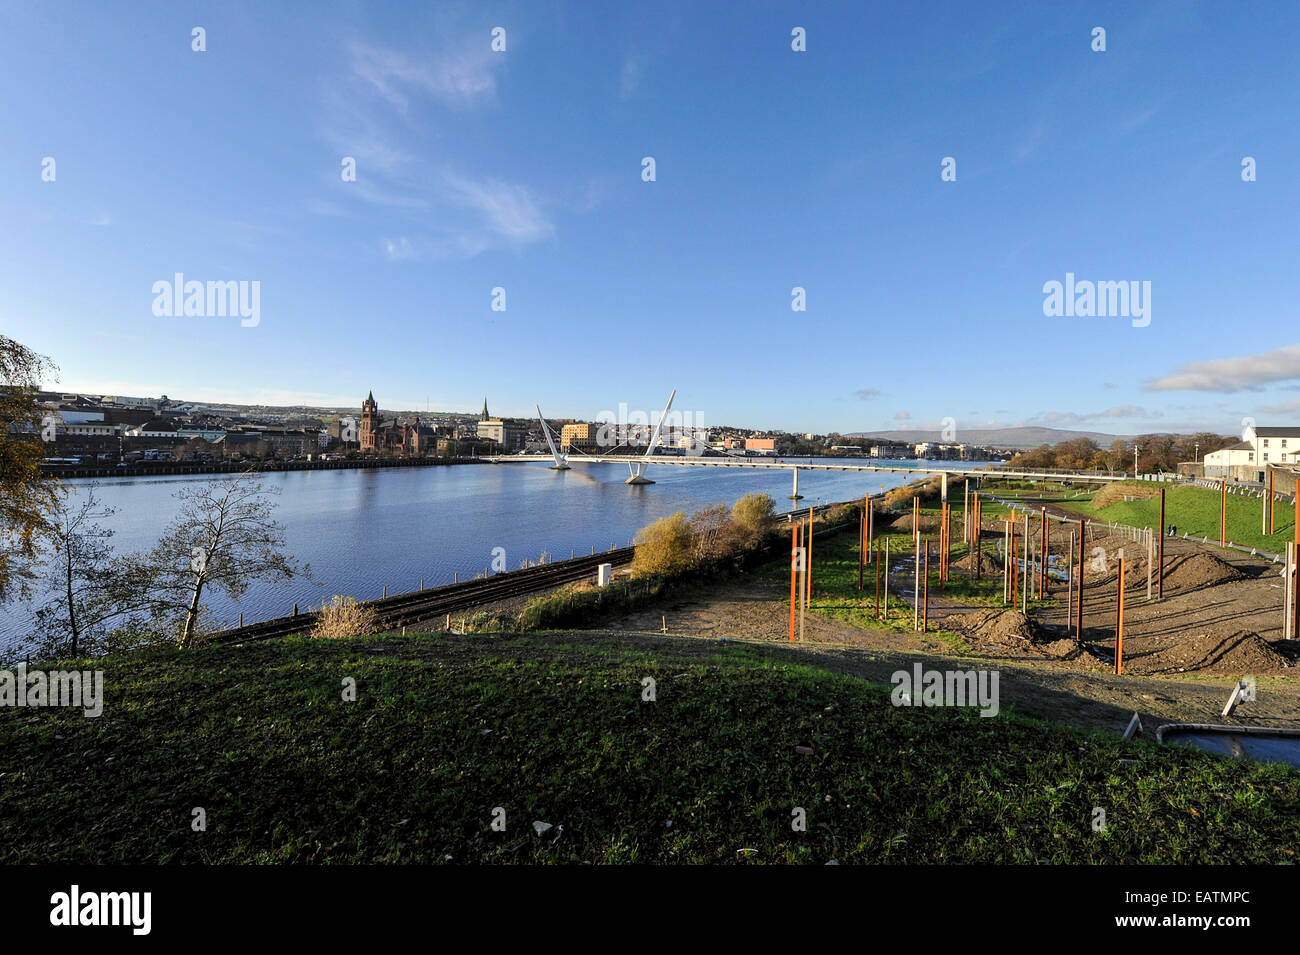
[866, 394]
[460, 75]
[506, 211]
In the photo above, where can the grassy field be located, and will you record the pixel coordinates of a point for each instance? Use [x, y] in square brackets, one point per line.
[553, 728]
[1195, 511]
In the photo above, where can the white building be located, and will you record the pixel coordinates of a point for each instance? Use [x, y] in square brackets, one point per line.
[1259, 449]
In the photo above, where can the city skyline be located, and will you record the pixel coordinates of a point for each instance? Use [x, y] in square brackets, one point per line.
[821, 170]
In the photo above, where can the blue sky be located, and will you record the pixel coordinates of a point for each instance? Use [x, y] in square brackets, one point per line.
[775, 169]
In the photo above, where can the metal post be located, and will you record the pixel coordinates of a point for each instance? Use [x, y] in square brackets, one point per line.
[1042, 556]
[965, 512]
[803, 589]
[925, 614]
[1024, 597]
[877, 563]
[1160, 551]
[1078, 604]
[1271, 500]
[1119, 619]
[1150, 562]
[862, 546]
[794, 570]
[1286, 591]
[916, 584]
[808, 563]
[1223, 513]
[886, 578]
[1069, 583]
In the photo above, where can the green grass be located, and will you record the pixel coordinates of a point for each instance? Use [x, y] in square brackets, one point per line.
[1195, 511]
[447, 728]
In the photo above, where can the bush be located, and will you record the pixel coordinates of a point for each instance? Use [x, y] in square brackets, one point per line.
[344, 617]
[754, 515]
[664, 547]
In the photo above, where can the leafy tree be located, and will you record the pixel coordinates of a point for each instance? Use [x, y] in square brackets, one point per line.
[26, 499]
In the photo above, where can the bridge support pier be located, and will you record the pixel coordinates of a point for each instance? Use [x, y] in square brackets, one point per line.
[637, 477]
[795, 495]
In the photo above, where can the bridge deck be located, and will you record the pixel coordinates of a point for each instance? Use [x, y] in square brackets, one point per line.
[688, 461]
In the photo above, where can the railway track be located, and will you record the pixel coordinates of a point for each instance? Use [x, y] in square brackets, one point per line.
[406, 609]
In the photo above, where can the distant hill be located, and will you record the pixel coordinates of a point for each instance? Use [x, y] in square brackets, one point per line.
[996, 437]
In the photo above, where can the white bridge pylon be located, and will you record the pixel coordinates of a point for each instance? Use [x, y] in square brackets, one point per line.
[638, 472]
[636, 469]
[561, 460]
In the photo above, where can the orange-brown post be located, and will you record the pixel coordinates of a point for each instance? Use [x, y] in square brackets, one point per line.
[975, 547]
[925, 592]
[1160, 550]
[1223, 513]
[1078, 603]
[794, 573]
[1119, 620]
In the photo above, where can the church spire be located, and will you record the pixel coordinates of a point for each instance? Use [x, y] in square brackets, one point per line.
[484, 415]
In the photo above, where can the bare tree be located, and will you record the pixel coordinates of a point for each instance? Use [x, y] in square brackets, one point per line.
[223, 539]
[96, 604]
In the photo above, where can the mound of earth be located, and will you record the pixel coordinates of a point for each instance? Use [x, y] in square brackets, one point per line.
[1199, 570]
[1010, 630]
[904, 524]
[1241, 653]
[988, 566]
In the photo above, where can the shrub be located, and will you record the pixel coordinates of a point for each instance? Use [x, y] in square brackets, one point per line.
[344, 617]
[664, 547]
[754, 515]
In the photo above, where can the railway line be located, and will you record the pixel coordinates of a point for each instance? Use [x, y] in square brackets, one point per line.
[421, 605]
